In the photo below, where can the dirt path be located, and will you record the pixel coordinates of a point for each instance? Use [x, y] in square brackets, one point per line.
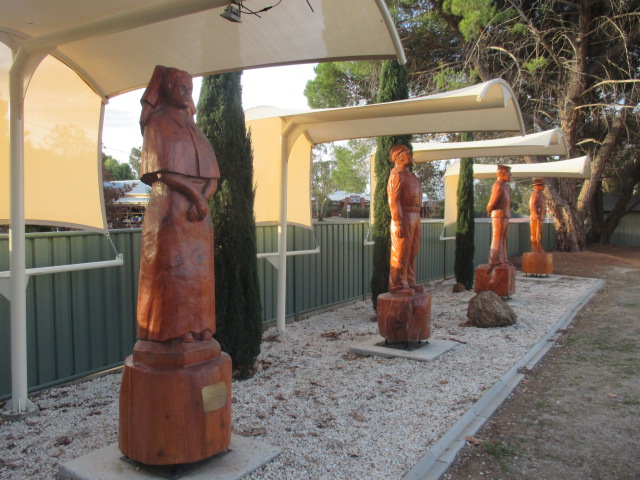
[577, 414]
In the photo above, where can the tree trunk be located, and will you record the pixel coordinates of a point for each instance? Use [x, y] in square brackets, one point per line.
[571, 235]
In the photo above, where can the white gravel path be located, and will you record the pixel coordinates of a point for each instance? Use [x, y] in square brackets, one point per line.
[335, 415]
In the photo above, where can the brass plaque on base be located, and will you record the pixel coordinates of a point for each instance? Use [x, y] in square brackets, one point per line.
[214, 396]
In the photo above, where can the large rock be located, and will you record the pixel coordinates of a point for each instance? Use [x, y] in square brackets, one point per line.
[487, 309]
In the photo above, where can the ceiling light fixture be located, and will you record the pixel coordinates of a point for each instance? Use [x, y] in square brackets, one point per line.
[232, 12]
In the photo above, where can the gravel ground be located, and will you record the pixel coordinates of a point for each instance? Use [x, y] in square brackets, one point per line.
[335, 415]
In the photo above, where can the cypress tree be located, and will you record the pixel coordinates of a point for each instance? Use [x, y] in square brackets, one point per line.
[465, 226]
[238, 307]
[394, 85]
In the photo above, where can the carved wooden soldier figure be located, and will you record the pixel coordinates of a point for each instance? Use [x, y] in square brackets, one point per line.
[405, 201]
[538, 208]
[537, 261]
[499, 209]
[404, 312]
[498, 276]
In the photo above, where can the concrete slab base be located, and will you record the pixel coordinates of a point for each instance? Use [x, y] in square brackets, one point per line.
[423, 352]
[243, 457]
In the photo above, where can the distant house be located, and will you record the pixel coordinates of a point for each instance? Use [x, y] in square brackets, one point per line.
[129, 209]
[341, 200]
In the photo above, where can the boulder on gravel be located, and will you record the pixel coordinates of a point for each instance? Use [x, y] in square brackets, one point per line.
[487, 309]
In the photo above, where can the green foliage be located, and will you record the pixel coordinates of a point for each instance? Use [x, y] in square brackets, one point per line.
[352, 165]
[394, 85]
[356, 212]
[449, 79]
[238, 307]
[341, 84]
[482, 194]
[535, 64]
[322, 185]
[475, 15]
[465, 227]
[519, 29]
[116, 170]
[521, 190]
[134, 160]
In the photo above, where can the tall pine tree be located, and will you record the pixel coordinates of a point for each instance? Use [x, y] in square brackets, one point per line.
[394, 85]
[465, 226]
[238, 307]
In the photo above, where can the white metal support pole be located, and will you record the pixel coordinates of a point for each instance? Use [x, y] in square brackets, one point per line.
[19, 405]
[281, 306]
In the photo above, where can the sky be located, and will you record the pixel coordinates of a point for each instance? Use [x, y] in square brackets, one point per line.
[281, 87]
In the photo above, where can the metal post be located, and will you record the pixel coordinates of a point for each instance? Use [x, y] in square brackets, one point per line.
[19, 404]
[281, 307]
[22, 68]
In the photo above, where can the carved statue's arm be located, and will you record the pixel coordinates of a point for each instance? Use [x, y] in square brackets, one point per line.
[181, 183]
[495, 197]
[395, 203]
[537, 204]
[533, 204]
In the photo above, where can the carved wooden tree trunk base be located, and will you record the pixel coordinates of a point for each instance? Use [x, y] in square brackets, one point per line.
[175, 402]
[404, 318]
[501, 279]
[537, 263]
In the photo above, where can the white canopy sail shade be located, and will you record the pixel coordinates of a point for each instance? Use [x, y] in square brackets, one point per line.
[548, 143]
[113, 47]
[572, 168]
[282, 142]
[106, 48]
[489, 106]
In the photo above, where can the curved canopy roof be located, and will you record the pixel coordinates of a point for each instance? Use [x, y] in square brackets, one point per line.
[489, 106]
[550, 142]
[114, 45]
[572, 168]
[83, 52]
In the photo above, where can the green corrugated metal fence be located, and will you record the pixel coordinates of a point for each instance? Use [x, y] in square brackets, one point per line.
[84, 322]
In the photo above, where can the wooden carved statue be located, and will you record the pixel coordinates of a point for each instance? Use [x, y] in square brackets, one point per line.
[538, 208]
[405, 200]
[404, 312]
[537, 261]
[175, 395]
[499, 209]
[176, 299]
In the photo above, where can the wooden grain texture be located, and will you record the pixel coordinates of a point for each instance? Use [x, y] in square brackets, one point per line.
[163, 416]
[537, 263]
[500, 279]
[404, 318]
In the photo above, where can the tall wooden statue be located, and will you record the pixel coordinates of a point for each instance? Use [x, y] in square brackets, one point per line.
[537, 262]
[498, 276]
[403, 313]
[175, 397]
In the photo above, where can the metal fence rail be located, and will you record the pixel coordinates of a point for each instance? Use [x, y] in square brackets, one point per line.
[84, 322]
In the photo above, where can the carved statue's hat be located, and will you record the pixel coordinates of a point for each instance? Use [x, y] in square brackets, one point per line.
[538, 181]
[395, 150]
[504, 167]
